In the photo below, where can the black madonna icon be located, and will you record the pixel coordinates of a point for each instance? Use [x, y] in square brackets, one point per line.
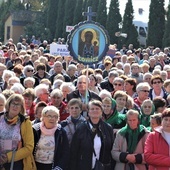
[88, 42]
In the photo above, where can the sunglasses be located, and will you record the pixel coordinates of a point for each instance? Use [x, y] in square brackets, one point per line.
[145, 91]
[29, 70]
[156, 82]
[117, 84]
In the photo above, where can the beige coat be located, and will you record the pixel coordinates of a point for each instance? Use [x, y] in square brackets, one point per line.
[119, 152]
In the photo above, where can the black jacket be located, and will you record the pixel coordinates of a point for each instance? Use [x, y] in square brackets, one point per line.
[76, 94]
[61, 153]
[81, 149]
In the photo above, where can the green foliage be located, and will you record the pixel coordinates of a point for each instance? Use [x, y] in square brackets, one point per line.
[59, 23]
[166, 39]
[102, 13]
[78, 12]
[128, 27]
[113, 20]
[52, 16]
[68, 15]
[156, 25]
[95, 5]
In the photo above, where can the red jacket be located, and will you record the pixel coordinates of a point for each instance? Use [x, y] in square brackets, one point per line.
[157, 151]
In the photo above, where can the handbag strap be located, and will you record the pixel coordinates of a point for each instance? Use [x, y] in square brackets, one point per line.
[12, 161]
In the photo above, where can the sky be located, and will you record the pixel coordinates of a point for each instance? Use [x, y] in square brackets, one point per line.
[136, 5]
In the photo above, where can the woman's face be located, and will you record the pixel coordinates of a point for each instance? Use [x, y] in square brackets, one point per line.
[2, 105]
[92, 81]
[39, 111]
[95, 112]
[50, 119]
[121, 102]
[132, 121]
[166, 124]
[74, 110]
[14, 109]
[153, 124]
[107, 107]
[157, 84]
[147, 108]
[44, 96]
[65, 91]
[128, 86]
[29, 84]
[28, 102]
[117, 85]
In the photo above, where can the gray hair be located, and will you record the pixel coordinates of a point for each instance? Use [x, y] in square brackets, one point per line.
[67, 85]
[105, 93]
[56, 92]
[141, 85]
[40, 89]
[29, 79]
[52, 109]
[18, 88]
[27, 67]
[7, 72]
[113, 74]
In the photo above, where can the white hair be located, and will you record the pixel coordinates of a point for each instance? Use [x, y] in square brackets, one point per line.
[40, 89]
[18, 88]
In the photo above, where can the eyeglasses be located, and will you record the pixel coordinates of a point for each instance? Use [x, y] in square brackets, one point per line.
[157, 82]
[145, 91]
[29, 70]
[51, 117]
[117, 84]
[15, 104]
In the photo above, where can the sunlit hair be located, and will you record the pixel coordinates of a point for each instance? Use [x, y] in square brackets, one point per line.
[17, 98]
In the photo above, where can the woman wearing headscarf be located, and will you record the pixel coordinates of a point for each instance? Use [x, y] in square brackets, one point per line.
[147, 109]
[128, 146]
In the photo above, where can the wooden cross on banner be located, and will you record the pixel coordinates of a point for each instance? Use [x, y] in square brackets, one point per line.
[89, 14]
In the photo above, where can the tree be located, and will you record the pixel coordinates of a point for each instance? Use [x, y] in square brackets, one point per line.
[156, 25]
[113, 20]
[128, 27]
[95, 4]
[52, 16]
[78, 12]
[166, 39]
[102, 13]
[59, 22]
[68, 17]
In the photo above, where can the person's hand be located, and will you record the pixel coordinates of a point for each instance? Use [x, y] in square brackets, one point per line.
[3, 159]
[131, 158]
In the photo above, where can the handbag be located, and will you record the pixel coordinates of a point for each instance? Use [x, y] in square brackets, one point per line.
[98, 164]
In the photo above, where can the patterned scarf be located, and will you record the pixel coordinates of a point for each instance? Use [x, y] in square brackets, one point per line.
[12, 121]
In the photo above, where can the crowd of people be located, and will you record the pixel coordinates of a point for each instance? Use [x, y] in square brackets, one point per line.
[56, 114]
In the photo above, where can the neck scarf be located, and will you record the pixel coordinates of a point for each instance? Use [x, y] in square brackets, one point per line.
[12, 121]
[132, 136]
[47, 132]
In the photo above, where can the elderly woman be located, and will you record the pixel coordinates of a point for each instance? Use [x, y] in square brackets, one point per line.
[29, 82]
[57, 101]
[29, 96]
[157, 88]
[42, 93]
[37, 112]
[130, 87]
[16, 136]
[111, 115]
[128, 146]
[157, 145]
[118, 84]
[92, 141]
[66, 88]
[121, 99]
[28, 72]
[147, 109]
[93, 86]
[142, 90]
[51, 147]
[75, 119]
[2, 103]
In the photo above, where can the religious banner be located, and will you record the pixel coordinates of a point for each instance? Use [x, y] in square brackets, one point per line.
[59, 49]
[88, 42]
